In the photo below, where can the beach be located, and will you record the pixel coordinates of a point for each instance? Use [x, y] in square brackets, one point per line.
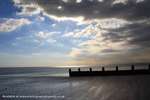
[74, 49]
[76, 88]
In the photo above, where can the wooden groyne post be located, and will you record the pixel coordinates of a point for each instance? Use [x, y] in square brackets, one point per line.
[103, 68]
[90, 69]
[69, 70]
[132, 67]
[117, 68]
[79, 70]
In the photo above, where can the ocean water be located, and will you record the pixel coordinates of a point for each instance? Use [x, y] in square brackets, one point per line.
[61, 72]
[77, 88]
[26, 82]
[33, 71]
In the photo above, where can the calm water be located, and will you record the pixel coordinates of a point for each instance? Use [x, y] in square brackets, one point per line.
[72, 88]
[78, 88]
[33, 71]
[48, 71]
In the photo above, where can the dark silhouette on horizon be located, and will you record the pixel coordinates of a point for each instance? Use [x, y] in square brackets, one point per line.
[104, 72]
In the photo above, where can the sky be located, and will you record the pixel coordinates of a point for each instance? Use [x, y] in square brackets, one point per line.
[74, 32]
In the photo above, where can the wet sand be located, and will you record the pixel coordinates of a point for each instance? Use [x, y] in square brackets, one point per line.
[78, 88]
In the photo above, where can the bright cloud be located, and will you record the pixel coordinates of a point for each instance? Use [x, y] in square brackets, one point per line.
[97, 27]
[44, 35]
[138, 1]
[120, 1]
[11, 24]
[76, 52]
[98, 41]
[78, 1]
[65, 1]
[78, 19]
[28, 9]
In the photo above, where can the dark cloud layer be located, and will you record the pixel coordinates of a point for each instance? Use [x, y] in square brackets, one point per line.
[90, 9]
[95, 9]
[137, 13]
[138, 32]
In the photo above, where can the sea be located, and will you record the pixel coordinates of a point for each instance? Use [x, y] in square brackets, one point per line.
[60, 71]
[51, 83]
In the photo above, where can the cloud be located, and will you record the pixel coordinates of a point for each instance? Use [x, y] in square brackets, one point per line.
[98, 26]
[43, 35]
[96, 38]
[11, 24]
[113, 27]
[108, 13]
[139, 1]
[136, 33]
[119, 18]
[46, 37]
[89, 9]
[96, 47]
[35, 41]
[76, 52]
[117, 37]
[28, 8]
[120, 1]
[40, 18]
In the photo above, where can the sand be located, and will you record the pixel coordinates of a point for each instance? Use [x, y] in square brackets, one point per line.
[77, 88]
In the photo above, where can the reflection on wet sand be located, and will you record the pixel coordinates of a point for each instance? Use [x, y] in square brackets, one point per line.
[82, 88]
